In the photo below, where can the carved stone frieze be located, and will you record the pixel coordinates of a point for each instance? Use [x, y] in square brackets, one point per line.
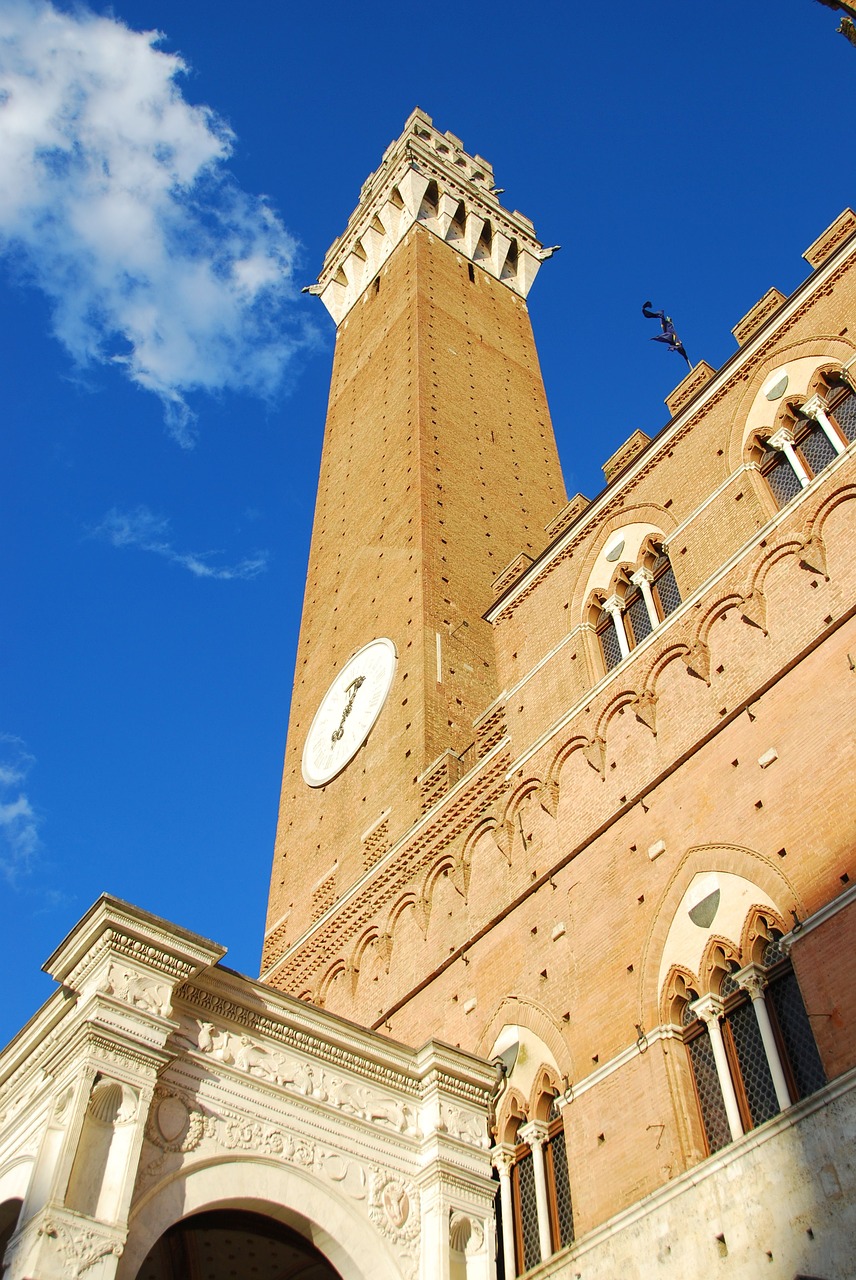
[139, 990]
[466, 1126]
[299, 1076]
[247, 1054]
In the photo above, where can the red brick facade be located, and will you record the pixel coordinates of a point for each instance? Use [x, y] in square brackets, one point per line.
[546, 873]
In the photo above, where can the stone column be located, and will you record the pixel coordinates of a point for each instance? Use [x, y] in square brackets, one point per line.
[535, 1134]
[815, 408]
[709, 1009]
[784, 440]
[753, 979]
[613, 608]
[502, 1156]
[642, 579]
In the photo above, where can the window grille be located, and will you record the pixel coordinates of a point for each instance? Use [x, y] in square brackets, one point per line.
[562, 1211]
[741, 1034]
[773, 952]
[844, 413]
[816, 447]
[666, 587]
[713, 1113]
[637, 611]
[780, 476]
[784, 994]
[609, 640]
[528, 1241]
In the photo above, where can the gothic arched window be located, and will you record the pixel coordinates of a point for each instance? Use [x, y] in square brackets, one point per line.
[750, 1046]
[816, 434]
[643, 598]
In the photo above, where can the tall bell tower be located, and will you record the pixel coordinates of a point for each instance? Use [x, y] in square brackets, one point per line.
[439, 466]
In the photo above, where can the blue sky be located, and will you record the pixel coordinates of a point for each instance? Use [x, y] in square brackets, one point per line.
[165, 382]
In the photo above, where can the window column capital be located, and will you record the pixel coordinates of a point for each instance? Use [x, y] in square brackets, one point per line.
[502, 1158]
[708, 1008]
[815, 408]
[534, 1132]
[784, 440]
[613, 604]
[780, 438]
[640, 576]
[753, 979]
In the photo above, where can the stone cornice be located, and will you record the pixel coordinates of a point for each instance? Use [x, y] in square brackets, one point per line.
[462, 209]
[115, 927]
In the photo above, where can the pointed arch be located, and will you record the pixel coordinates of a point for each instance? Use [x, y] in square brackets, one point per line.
[725, 858]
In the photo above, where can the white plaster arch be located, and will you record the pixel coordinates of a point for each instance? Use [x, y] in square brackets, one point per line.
[289, 1195]
[728, 898]
[798, 372]
[631, 536]
[532, 1056]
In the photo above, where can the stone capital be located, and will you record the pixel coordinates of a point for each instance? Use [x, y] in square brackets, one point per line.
[708, 1008]
[613, 604]
[813, 406]
[753, 979]
[780, 438]
[534, 1132]
[502, 1158]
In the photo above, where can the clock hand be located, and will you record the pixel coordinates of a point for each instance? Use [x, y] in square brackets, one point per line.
[352, 689]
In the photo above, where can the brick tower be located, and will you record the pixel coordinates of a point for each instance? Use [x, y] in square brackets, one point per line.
[439, 467]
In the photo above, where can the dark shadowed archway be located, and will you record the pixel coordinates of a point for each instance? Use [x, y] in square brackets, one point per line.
[224, 1244]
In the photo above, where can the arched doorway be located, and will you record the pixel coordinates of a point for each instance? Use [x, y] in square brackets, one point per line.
[9, 1212]
[222, 1244]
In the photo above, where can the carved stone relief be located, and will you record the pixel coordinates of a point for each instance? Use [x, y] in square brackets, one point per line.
[141, 992]
[465, 1126]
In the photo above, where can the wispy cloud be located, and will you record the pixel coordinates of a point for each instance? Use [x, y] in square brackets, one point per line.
[19, 837]
[116, 201]
[144, 529]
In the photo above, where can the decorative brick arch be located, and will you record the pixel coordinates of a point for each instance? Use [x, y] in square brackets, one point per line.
[829, 352]
[525, 1013]
[728, 858]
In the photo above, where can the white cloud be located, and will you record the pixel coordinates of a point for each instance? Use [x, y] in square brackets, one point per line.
[19, 837]
[117, 203]
[144, 529]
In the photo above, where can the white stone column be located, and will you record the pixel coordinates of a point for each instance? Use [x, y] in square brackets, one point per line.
[613, 608]
[753, 979]
[642, 579]
[535, 1134]
[709, 1009]
[502, 1157]
[815, 408]
[784, 441]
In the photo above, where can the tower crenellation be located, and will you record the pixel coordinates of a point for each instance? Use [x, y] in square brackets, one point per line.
[427, 177]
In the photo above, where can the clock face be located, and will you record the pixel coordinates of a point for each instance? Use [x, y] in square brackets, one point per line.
[347, 712]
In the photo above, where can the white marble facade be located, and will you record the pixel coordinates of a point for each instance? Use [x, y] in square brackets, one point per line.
[156, 1084]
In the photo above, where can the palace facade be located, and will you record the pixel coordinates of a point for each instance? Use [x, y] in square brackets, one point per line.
[559, 975]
